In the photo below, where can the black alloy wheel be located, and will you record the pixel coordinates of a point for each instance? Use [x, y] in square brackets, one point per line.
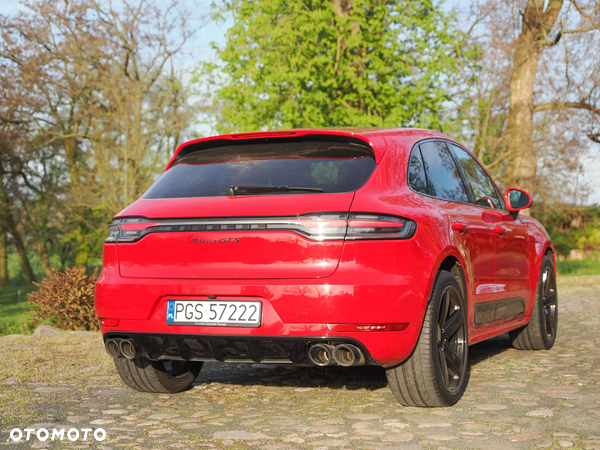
[540, 333]
[437, 371]
[452, 339]
[550, 303]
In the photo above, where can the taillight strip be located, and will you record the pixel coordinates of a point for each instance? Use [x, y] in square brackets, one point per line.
[318, 227]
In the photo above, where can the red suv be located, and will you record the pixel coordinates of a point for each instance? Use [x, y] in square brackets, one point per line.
[387, 247]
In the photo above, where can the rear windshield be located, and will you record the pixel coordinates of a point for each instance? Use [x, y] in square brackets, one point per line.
[330, 166]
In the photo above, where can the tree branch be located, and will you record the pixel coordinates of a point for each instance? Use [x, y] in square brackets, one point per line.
[560, 105]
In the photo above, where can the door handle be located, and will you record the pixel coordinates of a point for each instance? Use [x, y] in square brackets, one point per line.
[500, 231]
[459, 226]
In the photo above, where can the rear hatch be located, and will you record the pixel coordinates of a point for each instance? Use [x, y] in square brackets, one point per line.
[254, 209]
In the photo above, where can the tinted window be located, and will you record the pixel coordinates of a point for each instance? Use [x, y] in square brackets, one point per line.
[479, 180]
[443, 174]
[331, 166]
[416, 172]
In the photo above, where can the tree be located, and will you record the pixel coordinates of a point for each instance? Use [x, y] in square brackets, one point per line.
[546, 98]
[101, 108]
[538, 21]
[294, 64]
[13, 137]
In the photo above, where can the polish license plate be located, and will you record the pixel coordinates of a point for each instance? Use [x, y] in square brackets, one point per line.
[213, 313]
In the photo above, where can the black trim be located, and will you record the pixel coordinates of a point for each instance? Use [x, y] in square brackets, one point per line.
[506, 308]
[226, 348]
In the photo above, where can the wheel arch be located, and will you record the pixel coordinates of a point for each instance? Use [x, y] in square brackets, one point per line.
[550, 253]
[453, 265]
[451, 261]
[537, 251]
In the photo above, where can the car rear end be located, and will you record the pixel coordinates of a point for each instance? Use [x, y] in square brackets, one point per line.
[250, 248]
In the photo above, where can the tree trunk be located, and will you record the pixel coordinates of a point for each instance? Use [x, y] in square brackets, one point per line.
[519, 133]
[45, 260]
[72, 157]
[11, 227]
[536, 26]
[21, 251]
[4, 280]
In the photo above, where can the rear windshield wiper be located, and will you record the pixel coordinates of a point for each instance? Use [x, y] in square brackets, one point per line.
[250, 190]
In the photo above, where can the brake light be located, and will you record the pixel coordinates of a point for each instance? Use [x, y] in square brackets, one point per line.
[317, 227]
[109, 322]
[369, 226]
[344, 327]
[263, 134]
[129, 229]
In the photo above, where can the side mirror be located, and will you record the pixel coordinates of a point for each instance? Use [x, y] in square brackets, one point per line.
[517, 199]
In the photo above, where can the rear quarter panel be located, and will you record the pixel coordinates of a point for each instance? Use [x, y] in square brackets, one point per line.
[387, 192]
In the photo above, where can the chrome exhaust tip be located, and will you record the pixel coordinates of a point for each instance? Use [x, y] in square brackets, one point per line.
[112, 348]
[348, 355]
[320, 354]
[127, 349]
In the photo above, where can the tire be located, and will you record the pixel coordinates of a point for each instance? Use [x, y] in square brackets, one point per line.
[540, 332]
[437, 372]
[167, 377]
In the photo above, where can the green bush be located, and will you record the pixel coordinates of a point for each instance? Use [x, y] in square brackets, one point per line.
[570, 227]
[578, 267]
[591, 240]
[66, 299]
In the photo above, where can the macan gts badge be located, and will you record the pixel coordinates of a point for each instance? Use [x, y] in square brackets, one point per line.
[347, 247]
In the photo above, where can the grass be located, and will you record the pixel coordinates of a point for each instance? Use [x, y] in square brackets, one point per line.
[578, 267]
[14, 314]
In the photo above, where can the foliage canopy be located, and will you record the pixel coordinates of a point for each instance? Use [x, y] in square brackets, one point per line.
[315, 63]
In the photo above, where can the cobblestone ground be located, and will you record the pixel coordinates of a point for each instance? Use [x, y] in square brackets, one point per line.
[514, 400]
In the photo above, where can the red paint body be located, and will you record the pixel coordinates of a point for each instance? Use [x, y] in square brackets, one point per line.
[305, 284]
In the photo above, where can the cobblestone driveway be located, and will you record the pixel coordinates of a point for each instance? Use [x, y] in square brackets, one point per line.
[514, 400]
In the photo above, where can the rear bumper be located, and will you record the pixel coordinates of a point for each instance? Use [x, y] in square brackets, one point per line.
[274, 343]
[385, 348]
[389, 290]
[223, 348]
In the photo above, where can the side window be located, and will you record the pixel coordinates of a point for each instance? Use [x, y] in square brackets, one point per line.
[416, 172]
[483, 187]
[443, 174]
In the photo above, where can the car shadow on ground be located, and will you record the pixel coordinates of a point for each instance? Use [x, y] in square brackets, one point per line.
[351, 378]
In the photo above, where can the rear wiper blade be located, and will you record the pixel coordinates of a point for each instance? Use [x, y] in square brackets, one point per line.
[249, 190]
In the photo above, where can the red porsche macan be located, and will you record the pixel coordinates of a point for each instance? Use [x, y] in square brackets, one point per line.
[387, 247]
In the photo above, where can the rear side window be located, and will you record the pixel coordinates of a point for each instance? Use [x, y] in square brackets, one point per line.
[328, 166]
[442, 172]
[416, 172]
[479, 180]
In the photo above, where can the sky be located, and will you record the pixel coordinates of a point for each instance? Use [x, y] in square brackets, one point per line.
[199, 48]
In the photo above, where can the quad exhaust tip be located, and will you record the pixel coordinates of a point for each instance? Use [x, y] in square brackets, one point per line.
[127, 349]
[320, 354]
[348, 355]
[112, 348]
[342, 354]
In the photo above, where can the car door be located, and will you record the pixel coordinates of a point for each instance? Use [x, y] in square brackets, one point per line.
[512, 262]
[473, 236]
[511, 246]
